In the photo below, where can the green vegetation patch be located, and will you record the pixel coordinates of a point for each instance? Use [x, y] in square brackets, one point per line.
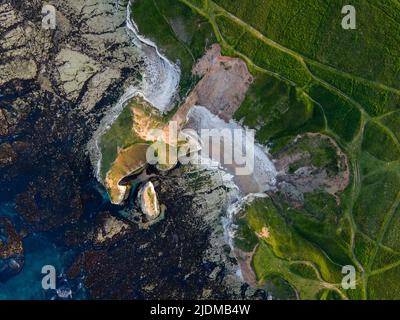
[343, 117]
[279, 287]
[230, 30]
[303, 270]
[321, 221]
[328, 295]
[312, 28]
[385, 258]
[273, 59]
[245, 238]
[377, 196]
[120, 135]
[384, 285]
[269, 268]
[364, 249]
[178, 32]
[380, 142]
[374, 99]
[392, 122]
[276, 109]
[392, 236]
[271, 228]
[310, 76]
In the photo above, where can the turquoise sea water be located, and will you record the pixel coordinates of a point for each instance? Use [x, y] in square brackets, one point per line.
[39, 250]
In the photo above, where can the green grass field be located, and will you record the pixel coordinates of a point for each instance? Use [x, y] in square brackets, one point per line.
[313, 76]
[285, 253]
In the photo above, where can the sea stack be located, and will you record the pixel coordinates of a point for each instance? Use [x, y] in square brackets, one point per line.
[148, 201]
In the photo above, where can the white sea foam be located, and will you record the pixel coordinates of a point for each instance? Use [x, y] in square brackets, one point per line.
[252, 186]
[233, 209]
[159, 87]
[264, 173]
[161, 77]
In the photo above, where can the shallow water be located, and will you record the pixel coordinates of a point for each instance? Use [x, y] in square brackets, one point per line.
[39, 250]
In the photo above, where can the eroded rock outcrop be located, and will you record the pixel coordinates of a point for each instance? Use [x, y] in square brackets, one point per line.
[109, 229]
[148, 201]
[11, 250]
[7, 155]
[188, 247]
[74, 69]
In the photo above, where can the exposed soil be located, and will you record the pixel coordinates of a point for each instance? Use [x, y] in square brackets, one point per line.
[224, 83]
[310, 178]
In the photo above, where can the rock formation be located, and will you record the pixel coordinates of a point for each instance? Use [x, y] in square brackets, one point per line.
[11, 250]
[148, 201]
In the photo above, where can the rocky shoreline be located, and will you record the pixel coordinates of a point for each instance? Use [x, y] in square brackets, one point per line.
[66, 81]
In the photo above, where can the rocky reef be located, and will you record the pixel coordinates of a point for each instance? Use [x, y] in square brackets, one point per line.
[11, 250]
[66, 78]
[55, 88]
[185, 256]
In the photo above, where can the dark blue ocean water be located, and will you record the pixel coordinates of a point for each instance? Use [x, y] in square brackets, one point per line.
[39, 250]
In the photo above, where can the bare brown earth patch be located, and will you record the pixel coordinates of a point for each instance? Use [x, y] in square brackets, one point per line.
[309, 177]
[223, 87]
[145, 119]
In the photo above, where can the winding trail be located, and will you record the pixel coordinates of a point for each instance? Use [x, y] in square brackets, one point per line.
[211, 10]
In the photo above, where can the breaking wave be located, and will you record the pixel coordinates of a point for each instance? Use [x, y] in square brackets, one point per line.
[159, 87]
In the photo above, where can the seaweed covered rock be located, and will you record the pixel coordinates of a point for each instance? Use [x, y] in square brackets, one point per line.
[11, 250]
